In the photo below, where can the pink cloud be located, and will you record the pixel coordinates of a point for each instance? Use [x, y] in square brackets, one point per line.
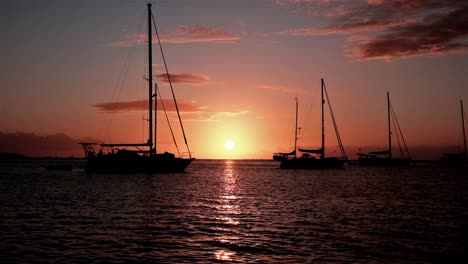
[186, 34]
[132, 39]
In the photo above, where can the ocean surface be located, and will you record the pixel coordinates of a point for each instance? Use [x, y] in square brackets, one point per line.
[234, 212]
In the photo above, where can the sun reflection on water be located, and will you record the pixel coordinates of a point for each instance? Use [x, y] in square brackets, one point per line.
[223, 255]
[228, 210]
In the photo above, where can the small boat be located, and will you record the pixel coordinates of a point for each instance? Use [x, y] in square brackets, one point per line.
[385, 157]
[140, 157]
[457, 159]
[279, 156]
[320, 161]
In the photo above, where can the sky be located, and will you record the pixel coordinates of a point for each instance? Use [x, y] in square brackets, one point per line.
[75, 71]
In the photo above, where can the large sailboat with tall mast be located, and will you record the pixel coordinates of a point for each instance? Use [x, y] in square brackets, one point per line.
[458, 158]
[320, 161]
[139, 157]
[386, 157]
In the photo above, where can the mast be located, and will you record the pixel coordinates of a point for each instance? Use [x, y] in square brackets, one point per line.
[295, 131]
[155, 95]
[150, 82]
[389, 128]
[323, 126]
[463, 127]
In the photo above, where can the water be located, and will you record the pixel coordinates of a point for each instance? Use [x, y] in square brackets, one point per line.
[234, 212]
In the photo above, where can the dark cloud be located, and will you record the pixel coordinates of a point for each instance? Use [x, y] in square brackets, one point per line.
[434, 35]
[393, 28]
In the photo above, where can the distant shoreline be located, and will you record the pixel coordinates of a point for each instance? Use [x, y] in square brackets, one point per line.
[17, 156]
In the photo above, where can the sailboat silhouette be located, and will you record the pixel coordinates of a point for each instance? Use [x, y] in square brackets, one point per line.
[307, 161]
[385, 157]
[144, 157]
[458, 159]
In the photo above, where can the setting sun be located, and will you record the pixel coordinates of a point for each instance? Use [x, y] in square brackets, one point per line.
[229, 145]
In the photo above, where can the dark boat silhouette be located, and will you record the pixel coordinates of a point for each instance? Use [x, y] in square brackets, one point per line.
[457, 159]
[142, 157]
[278, 156]
[385, 157]
[308, 161]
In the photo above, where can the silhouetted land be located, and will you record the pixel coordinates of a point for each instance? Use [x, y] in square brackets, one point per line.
[10, 156]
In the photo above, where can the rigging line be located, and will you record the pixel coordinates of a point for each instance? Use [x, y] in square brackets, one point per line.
[399, 129]
[340, 143]
[120, 80]
[290, 126]
[305, 127]
[402, 137]
[397, 134]
[167, 118]
[118, 89]
[170, 84]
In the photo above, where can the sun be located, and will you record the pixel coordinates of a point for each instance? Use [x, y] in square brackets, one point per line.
[229, 145]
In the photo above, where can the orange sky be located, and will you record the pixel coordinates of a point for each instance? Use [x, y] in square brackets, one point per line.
[77, 68]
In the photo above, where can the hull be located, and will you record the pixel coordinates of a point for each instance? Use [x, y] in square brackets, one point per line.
[147, 164]
[454, 162]
[279, 157]
[384, 162]
[312, 163]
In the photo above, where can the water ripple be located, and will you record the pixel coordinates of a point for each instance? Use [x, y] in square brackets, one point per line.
[235, 212]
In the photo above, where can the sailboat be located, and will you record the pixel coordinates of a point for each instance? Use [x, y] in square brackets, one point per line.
[307, 161]
[279, 156]
[458, 158]
[142, 157]
[385, 157]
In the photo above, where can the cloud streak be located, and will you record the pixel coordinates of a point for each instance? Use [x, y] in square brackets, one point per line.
[283, 89]
[188, 78]
[343, 29]
[181, 34]
[189, 111]
[142, 105]
[187, 34]
[393, 28]
[213, 116]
